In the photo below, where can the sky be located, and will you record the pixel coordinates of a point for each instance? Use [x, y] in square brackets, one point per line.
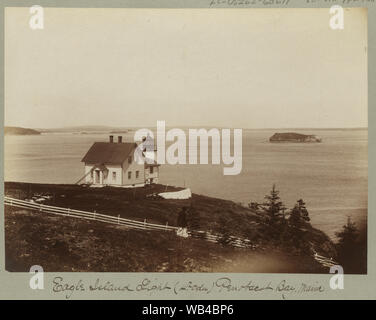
[238, 68]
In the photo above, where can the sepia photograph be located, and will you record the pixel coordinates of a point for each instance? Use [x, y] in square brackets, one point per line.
[186, 140]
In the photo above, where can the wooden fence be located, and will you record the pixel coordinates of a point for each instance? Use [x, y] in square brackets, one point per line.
[143, 225]
[326, 262]
[133, 224]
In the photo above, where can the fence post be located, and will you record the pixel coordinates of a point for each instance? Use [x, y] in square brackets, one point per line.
[40, 208]
[94, 214]
[118, 218]
[68, 211]
[166, 225]
[144, 223]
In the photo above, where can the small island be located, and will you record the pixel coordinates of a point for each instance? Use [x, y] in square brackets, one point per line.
[18, 131]
[294, 137]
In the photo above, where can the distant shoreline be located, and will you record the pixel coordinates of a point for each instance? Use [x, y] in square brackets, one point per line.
[19, 131]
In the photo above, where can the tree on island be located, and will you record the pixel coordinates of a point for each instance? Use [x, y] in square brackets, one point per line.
[352, 248]
[298, 222]
[289, 229]
[285, 228]
[273, 211]
[299, 216]
[273, 208]
[348, 236]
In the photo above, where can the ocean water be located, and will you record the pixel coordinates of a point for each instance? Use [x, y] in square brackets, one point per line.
[331, 177]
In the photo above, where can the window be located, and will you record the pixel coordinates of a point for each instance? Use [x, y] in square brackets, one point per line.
[130, 159]
[114, 175]
[129, 175]
[137, 174]
[151, 169]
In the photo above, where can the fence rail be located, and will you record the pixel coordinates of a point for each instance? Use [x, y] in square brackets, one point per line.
[87, 215]
[326, 262]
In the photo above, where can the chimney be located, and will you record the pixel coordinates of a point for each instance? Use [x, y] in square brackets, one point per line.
[111, 139]
[120, 139]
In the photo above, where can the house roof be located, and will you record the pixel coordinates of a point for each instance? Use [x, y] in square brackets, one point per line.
[107, 152]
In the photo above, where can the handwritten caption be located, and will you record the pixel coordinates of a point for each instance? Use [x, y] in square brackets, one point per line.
[151, 287]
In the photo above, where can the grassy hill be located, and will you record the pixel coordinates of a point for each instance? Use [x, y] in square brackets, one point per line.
[95, 246]
[69, 244]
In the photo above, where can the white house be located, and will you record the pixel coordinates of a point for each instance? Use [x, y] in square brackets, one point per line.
[113, 164]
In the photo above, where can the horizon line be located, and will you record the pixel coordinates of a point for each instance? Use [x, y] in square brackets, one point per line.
[182, 126]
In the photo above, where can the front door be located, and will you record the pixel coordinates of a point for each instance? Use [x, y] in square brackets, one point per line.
[96, 177]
